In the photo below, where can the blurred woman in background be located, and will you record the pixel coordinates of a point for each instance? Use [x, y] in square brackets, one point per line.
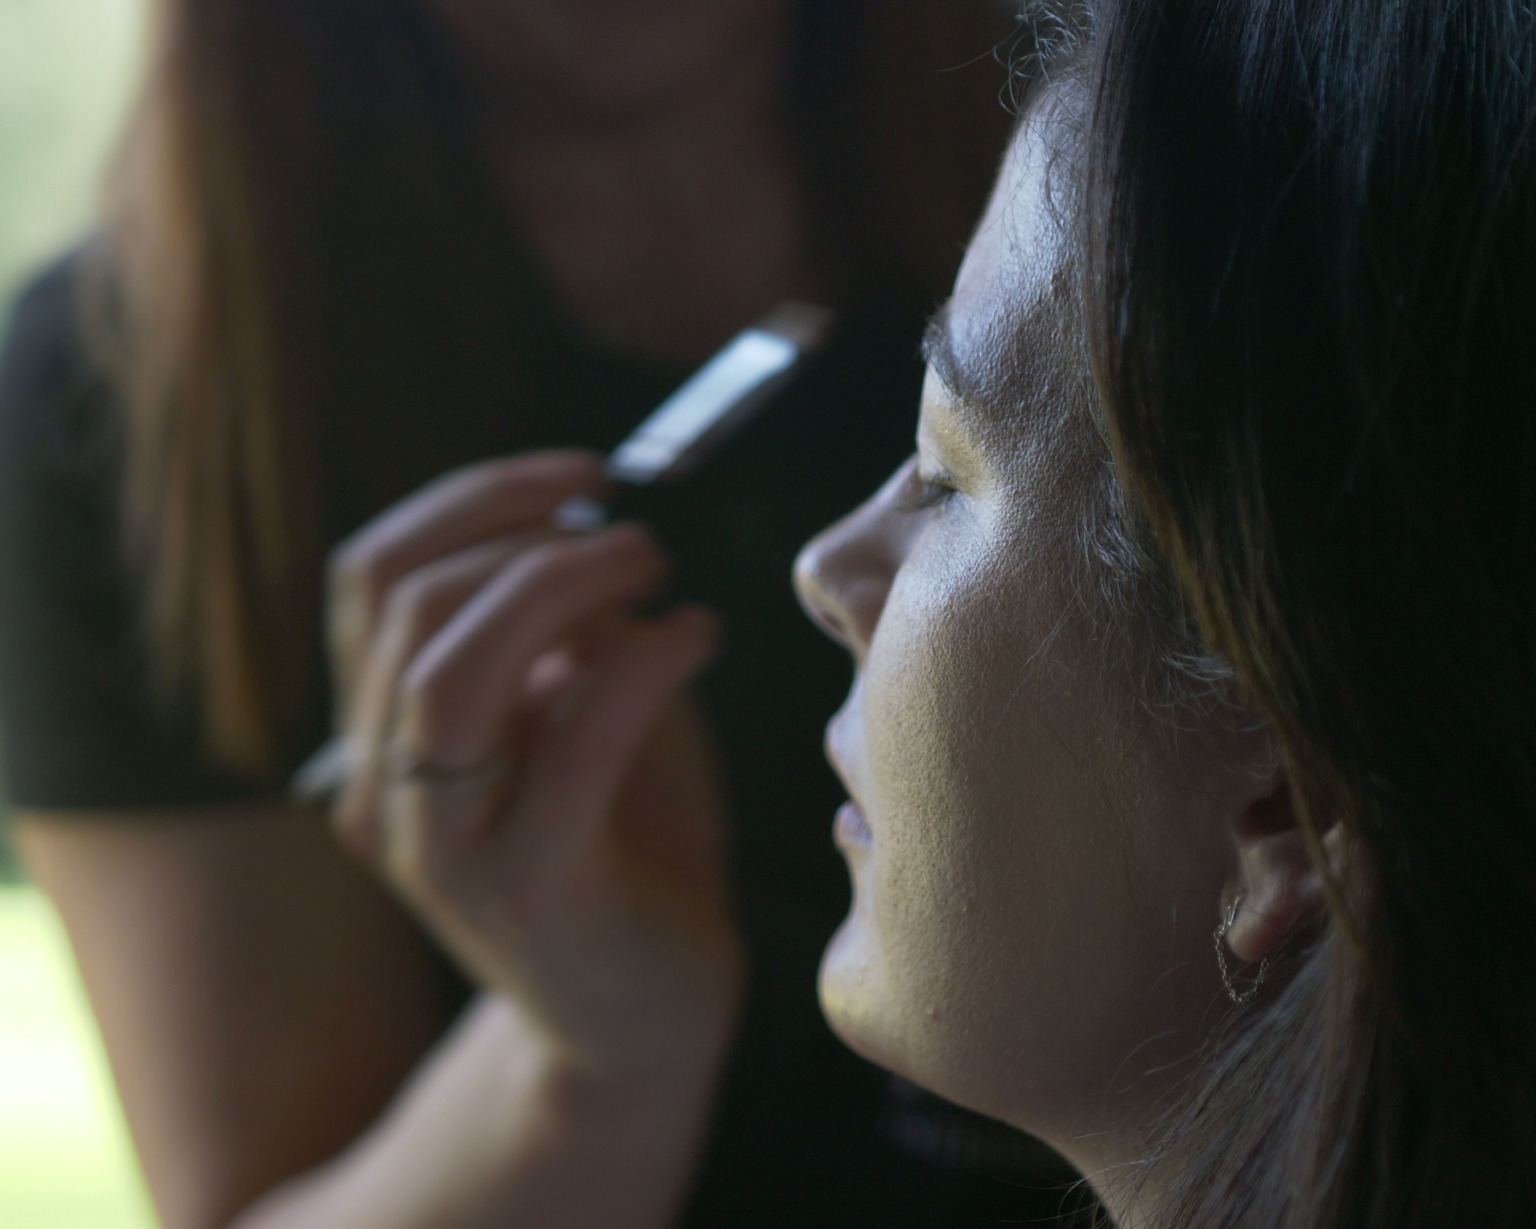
[350, 246]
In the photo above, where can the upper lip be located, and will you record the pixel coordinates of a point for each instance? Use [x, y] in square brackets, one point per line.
[830, 748]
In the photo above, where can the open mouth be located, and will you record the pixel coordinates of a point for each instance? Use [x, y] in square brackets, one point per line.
[851, 828]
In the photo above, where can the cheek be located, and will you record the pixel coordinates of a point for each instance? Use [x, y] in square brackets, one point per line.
[942, 699]
[1013, 904]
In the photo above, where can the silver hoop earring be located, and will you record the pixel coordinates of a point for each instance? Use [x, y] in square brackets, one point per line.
[1245, 996]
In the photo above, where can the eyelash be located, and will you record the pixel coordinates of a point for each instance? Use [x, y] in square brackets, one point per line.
[932, 492]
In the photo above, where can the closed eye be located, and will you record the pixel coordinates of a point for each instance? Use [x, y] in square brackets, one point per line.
[923, 490]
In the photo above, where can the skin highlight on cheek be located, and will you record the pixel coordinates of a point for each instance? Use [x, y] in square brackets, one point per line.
[946, 696]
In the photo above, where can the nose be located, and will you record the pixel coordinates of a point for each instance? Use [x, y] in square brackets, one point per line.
[843, 576]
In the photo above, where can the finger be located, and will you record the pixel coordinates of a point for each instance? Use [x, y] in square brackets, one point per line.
[554, 673]
[573, 777]
[426, 825]
[460, 696]
[417, 608]
[469, 506]
[420, 606]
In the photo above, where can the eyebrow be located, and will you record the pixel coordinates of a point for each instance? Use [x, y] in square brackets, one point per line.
[938, 351]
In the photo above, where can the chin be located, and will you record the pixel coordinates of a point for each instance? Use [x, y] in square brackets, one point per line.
[843, 985]
[863, 1005]
[639, 54]
[882, 1020]
[854, 1001]
[620, 82]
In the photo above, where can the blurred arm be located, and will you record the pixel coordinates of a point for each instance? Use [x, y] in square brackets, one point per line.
[264, 1004]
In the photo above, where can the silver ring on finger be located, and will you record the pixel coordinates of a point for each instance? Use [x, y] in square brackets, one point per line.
[466, 782]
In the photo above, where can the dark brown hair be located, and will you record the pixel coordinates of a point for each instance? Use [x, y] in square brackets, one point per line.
[1312, 278]
[304, 250]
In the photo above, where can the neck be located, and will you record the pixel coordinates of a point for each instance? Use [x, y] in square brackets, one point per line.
[667, 223]
[1115, 1166]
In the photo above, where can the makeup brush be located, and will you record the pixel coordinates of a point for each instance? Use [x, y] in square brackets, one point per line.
[680, 436]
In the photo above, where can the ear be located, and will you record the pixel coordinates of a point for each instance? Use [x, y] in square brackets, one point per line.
[1280, 884]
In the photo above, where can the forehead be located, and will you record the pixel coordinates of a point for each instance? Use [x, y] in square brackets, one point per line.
[1013, 295]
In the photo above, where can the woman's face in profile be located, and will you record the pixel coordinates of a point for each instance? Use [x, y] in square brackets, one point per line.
[1037, 868]
[626, 52]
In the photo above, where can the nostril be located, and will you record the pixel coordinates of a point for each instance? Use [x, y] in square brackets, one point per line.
[838, 575]
[832, 623]
[813, 595]
[832, 618]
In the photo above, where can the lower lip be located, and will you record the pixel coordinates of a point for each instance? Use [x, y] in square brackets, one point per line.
[851, 827]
